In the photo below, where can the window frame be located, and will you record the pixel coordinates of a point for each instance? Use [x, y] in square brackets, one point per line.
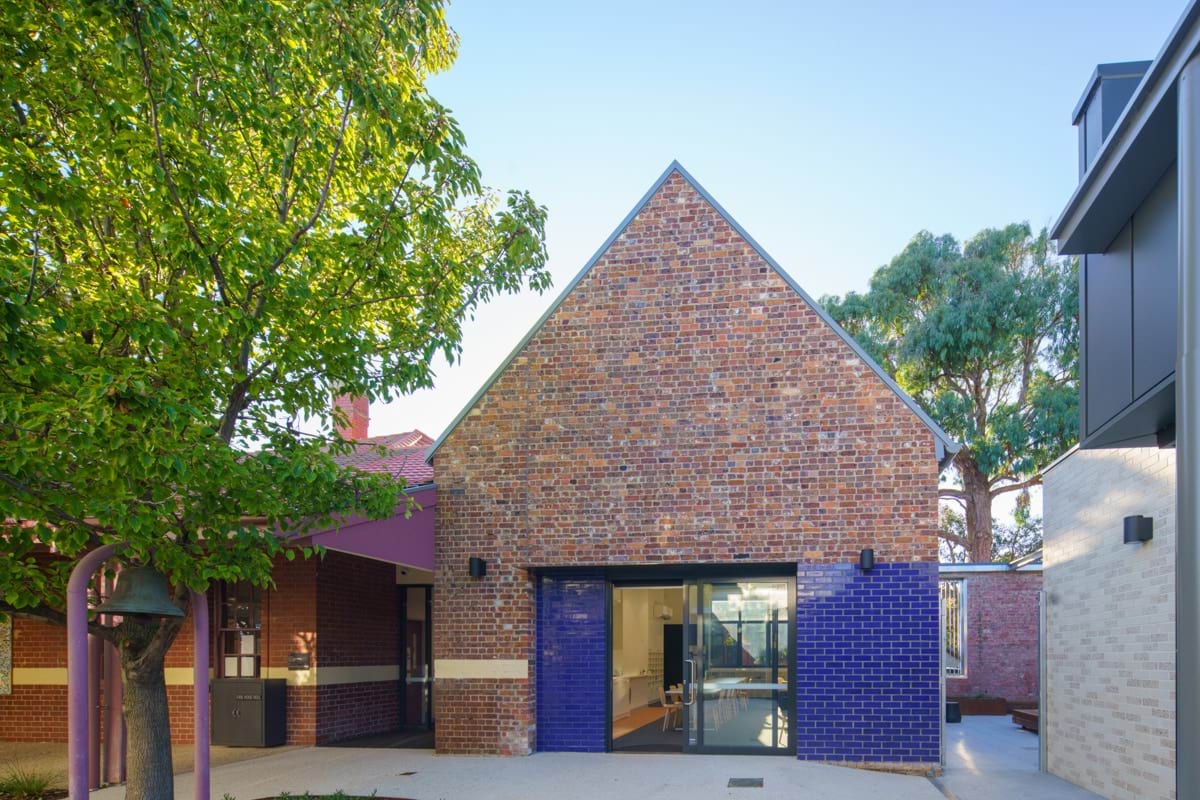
[258, 599]
[961, 627]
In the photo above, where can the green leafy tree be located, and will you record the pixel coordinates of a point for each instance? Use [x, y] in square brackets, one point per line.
[985, 336]
[214, 216]
[1011, 539]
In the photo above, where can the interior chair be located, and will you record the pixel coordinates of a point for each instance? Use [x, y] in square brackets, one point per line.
[672, 707]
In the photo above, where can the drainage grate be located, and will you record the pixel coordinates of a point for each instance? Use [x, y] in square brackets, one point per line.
[745, 783]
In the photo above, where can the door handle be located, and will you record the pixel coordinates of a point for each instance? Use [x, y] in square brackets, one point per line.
[691, 698]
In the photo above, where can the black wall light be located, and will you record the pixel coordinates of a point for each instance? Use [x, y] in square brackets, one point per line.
[1138, 529]
[866, 559]
[478, 567]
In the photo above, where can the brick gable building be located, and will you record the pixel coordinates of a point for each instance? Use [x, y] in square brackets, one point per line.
[686, 415]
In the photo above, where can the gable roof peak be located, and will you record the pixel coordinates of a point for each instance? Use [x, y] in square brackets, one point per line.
[945, 446]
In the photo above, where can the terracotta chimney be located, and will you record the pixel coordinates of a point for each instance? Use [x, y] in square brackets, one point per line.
[358, 416]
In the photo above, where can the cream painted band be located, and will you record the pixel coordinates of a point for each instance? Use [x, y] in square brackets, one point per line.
[467, 668]
[334, 676]
[39, 676]
[182, 676]
[57, 676]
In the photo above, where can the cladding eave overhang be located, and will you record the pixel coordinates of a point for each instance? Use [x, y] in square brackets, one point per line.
[945, 446]
[1139, 149]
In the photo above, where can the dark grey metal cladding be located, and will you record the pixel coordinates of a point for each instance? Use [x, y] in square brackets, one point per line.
[1109, 341]
[1127, 326]
[1155, 282]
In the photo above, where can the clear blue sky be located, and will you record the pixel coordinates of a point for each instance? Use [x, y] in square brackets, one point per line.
[833, 132]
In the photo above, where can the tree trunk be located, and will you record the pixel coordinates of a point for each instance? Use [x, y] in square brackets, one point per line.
[979, 512]
[150, 775]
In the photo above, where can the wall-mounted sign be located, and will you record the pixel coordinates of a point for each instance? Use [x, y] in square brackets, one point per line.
[299, 661]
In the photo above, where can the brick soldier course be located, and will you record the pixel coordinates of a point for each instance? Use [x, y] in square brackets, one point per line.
[684, 402]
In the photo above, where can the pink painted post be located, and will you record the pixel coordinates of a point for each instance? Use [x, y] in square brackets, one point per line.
[114, 717]
[200, 692]
[93, 700]
[77, 670]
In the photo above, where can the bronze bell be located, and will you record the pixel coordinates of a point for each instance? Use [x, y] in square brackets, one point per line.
[140, 590]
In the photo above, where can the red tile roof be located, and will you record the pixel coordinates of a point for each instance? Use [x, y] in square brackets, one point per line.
[401, 455]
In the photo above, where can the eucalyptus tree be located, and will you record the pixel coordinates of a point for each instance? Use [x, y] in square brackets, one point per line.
[214, 215]
[985, 336]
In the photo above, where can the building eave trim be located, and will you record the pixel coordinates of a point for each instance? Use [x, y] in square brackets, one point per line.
[1157, 82]
[945, 446]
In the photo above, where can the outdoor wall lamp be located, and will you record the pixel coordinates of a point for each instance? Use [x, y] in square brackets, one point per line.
[1138, 529]
[866, 559]
[477, 567]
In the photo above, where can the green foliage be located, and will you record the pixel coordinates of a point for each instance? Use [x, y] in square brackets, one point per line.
[985, 336]
[1010, 539]
[213, 217]
[22, 783]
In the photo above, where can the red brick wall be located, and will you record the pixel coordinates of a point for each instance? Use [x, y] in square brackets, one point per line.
[350, 602]
[1002, 637]
[480, 716]
[348, 710]
[39, 712]
[358, 611]
[30, 714]
[683, 404]
[290, 626]
[358, 618]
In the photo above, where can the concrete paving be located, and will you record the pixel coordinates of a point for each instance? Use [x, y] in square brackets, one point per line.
[987, 758]
[50, 758]
[421, 775]
[990, 758]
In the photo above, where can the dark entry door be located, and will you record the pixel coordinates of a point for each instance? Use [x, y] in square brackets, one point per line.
[737, 665]
[417, 666]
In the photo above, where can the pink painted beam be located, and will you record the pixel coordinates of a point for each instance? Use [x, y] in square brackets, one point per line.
[77, 670]
[395, 539]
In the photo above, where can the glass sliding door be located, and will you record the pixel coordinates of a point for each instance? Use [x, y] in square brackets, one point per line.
[737, 665]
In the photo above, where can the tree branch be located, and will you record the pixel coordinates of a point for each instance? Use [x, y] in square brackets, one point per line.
[1036, 480]
[953, 538]
[189, 223]
[56, 617]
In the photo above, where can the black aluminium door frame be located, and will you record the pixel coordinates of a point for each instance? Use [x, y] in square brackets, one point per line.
[681, 575]
[697, 707]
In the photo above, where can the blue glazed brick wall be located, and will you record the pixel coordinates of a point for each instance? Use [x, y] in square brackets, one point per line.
[867, 683]
[572, 662]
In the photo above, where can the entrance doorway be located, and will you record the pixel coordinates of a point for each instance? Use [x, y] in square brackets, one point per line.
[647, 670]
[702, 665]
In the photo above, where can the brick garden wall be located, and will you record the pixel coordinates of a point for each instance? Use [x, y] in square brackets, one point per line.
[682, 404]
[1002, 637]
[1110, 623]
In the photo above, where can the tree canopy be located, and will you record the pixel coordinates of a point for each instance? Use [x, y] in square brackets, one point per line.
[214, 216]
[984, 335]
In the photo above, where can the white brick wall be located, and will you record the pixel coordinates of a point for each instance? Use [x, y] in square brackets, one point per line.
[1110, 628]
